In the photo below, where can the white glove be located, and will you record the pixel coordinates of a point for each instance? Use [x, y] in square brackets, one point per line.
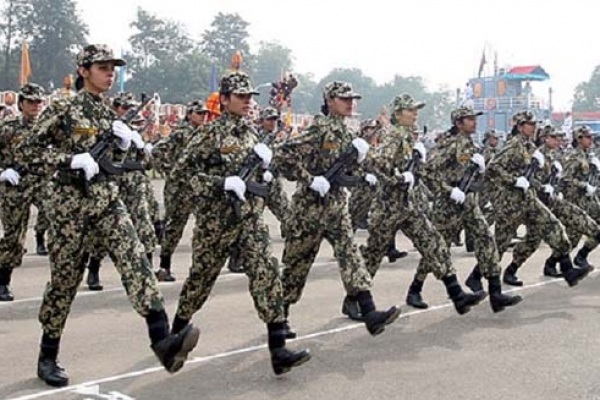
[267, 176]
[548, 189]
[558, 167]
[590, 190]
[420, 147]
[522, 183]
[236, 185]
[321, 185]
[148, 149]
[362, 147]
[559, 197]
[265, 154]
[595, 162]
[539, 157]
[407, 177]
[371, 179]
[11, 176]
[123, 132]
[87, 163]
[137, 140]
[457, 195]
[480, 161]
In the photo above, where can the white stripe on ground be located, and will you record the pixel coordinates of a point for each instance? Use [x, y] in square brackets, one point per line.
[231, 353]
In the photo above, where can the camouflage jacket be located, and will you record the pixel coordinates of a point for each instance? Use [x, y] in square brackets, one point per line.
[445, 171]
[169, 149]
[576, 172]
[217, 152]
[489, 152]
[13, 130]
[508, 165]
[393, 154]
[314, 152]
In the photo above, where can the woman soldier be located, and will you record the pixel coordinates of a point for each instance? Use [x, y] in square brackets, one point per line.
[319, 207]
[66, 132]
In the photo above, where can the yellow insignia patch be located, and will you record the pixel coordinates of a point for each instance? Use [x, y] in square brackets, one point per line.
[408, 150]
[234, 148]
[331, 145]
[463, 158]
[527, 156]
[80, 130]
[586, 168]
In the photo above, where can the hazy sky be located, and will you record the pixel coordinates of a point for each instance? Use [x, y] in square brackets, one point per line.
[441, 41]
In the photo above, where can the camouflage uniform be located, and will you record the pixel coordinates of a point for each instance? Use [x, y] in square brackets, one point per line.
[514, 206]
[16, 200]
[314, 218]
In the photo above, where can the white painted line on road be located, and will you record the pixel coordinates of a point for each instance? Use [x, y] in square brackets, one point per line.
[224, 277]
[231, 353]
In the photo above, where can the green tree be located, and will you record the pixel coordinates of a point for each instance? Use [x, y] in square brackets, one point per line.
[587, 94]
[57, 32]
[13, 15]
[271, 61]
[306, 98]
[228, 33]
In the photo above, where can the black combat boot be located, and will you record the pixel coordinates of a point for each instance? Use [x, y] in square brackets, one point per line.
[462, 301]
[234, 265]
[6, 293]
[289, 332]
[164, 273]
[282, 359]
[393, 253]
[571, 274]
[49, 369]
[41, 244]
[498, 300]
[550, 268]
[179, 324]
[374, 320]
[510, 275]
[413, 298]
[93, 277]
[474, 280]
[351, 309]
[171, 349]
[581, 258]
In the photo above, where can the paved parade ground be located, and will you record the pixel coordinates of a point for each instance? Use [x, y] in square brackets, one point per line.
[548, 347]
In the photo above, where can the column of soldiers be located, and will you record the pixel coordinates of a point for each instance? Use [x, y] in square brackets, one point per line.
[225, 172]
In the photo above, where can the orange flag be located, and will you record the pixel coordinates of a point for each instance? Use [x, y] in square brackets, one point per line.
[25, 65]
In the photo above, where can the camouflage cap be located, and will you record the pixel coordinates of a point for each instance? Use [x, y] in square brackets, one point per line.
[463, 112]
[197, 106]
[548, 130]
[369, 123]
[32, 91]
[269, 113]
[492, 133]
[236, 82]
[124, 99]
[405, 101]
[95, 53]
[523, 117]
[582, 131]
[341, 90]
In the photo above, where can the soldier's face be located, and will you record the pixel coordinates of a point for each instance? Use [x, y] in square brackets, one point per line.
[493, 142]
[468, 125]
[197, 119]
[586, 142]
[31, 108]
[237, 104]
[407, 117]
[99, 77]
[552, 142]
[269, 124]
[340, 107]
[528, 129]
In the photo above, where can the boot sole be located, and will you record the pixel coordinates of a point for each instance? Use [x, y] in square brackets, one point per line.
[420, 306]
[576, 282]
[187, 346]
[393, 317]
[515, 300]
[53, 383]
[299, 362]
[517, 284]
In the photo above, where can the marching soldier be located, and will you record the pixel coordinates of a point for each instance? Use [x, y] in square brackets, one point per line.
[84, 202]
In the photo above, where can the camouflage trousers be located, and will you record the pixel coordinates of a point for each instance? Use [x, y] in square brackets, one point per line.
[591, 205]
[15, 205]
[103, 216]
[179, 206]
[488, 212]
[450, 218]
[311, 221]
[576, 221]
[278, 203]
[514, 208]
[132, 191]
[359, 203]
[399, 211]
[153, 206]
[214, 232]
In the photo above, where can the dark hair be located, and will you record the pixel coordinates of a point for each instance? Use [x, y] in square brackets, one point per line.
[325, 107]
[79, 82]
[515, 130]
[454, 130]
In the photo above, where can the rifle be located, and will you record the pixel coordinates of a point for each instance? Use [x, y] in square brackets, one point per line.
[100, 151]
[593, 176]
[251, 164]
[336, 175]
[413, 168]
[469, 181]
